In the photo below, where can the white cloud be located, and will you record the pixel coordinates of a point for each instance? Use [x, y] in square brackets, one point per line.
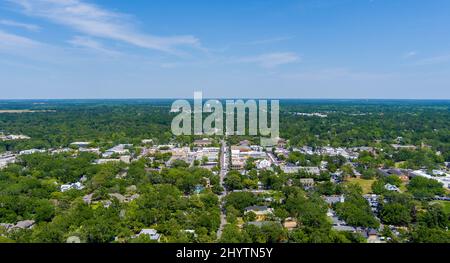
[271, 60]
[29, 27]
[12, 41]
[89, 43]
[97, 22]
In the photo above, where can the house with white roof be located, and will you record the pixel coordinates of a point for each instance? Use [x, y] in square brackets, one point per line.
[263, 164]
[76, 186]
[81, 144]
[152, 233]
[6, 159]
[391, 187]
[31, 151]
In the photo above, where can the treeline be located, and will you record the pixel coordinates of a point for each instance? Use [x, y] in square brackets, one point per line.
[179, 203]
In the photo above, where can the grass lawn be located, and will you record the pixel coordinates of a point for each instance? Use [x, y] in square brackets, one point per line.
[366, 185]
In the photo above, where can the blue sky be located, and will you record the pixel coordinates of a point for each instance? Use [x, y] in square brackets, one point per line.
[232, 48]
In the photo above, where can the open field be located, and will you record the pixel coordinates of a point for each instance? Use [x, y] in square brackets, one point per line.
[366, 185]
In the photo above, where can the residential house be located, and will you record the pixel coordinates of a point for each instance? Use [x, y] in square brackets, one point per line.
[6, 159]
[31, 151]
[323, 165]
[281, 143]
[103, 161]
[147, 141]
[307, 182]
[311, 170]
[244, 143]
[404, 178]
[120, 149]
[290, 169]
[372, 199]
[404, 147]
[124, 199]
[90, 150]
[152, 233]
[334, 199]
[81, 144]
[125, 158]
[87, 199]
[290, 223]
[373, 236]
[60, 150]
[391, 187]
[261, 212]
[76, 186]
[25, 224]
[13, 137]
[263, 164]
[336, 177]
[203, 142]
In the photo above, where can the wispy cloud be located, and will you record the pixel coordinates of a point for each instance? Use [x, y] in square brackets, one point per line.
[271, 60]
[98, 22]
[12, 41]
[433, 60]
[29, 27]
[22, 49]
[89, 43]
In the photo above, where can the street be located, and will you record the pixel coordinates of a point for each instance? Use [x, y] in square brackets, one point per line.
[222, 174]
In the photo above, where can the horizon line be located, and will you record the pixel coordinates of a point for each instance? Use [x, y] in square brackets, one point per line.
[225, 98]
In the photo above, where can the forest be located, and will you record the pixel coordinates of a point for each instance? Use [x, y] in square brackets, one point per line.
[181, 201]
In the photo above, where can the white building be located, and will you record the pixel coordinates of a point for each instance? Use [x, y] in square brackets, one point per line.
[13, 137]
[147, 141]
[76, 186]
[118, 149]
[263, 164]
[311, 170]
[90, 150]
[31, 151]
[391, 187]
[152, 233]
[290, 169]
[103, 161]
[125, 158]
[210, 153]
[81, 144]
[6, 159]
[61, 150]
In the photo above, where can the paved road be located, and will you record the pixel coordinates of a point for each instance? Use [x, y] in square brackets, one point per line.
[222, 174]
